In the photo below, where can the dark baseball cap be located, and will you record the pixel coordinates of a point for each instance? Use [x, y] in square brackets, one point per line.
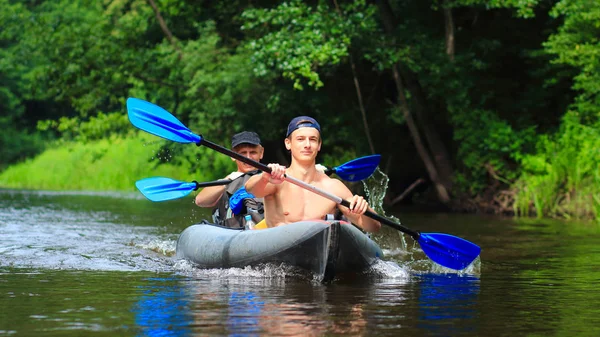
[302, 122]
[245, 137]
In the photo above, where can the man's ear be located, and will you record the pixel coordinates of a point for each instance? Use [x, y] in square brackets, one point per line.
[288, 143]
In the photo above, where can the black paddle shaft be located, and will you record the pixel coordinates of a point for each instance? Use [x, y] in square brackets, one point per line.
[211, 183]
[233, 154]
[415, 235]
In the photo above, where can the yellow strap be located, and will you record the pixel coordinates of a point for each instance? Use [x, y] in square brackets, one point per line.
[261, 225]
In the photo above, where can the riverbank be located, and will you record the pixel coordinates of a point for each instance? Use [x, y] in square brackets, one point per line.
[112, 164]
[560, 181]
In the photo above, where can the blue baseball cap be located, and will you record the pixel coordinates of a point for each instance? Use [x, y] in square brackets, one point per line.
[302, 122]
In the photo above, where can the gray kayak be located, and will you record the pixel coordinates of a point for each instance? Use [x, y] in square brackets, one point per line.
[325, 248]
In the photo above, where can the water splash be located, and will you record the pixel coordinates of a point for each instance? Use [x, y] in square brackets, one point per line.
[408, 254]
[254, 274]
[390, 270]
[164, 247]
[375, 188]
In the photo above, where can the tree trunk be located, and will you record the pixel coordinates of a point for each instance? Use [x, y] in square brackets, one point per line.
[389, 22]
[165, 29]
[449, 28]
[361, 106]
[363, 112]
[414, 131]
[436, 146]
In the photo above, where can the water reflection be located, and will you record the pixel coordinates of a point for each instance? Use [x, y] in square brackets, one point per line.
[244, 313]
[447, 304]
[275, 307]
[163, 309]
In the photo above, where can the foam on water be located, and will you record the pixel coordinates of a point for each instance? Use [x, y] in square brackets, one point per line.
[53, 238]
[390, 270]
[265, 271]
[163, 247]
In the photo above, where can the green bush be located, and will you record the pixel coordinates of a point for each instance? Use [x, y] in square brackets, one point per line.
[563, 177]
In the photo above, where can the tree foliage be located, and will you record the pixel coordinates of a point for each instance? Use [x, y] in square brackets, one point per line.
[577, 44]
[298, 40]
[491, 80]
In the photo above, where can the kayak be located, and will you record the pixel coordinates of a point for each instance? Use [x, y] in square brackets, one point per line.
[325, 248]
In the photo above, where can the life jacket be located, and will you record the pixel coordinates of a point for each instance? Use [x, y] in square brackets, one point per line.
[223, 214]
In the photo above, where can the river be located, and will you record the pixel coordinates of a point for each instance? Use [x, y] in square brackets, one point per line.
[102, 264]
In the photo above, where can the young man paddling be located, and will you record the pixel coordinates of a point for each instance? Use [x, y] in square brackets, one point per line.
[248, 145]
[285, 202]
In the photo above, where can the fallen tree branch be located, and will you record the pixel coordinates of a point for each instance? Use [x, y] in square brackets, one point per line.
[407, 191]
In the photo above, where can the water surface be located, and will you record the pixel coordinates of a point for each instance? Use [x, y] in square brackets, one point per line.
[74, 264]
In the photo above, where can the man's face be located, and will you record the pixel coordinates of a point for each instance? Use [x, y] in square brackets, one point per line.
[254, 152]
[304, 143]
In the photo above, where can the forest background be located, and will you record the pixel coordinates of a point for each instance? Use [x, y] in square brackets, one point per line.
[474, 105]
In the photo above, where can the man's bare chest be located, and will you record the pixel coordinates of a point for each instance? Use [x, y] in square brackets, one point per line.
[298, 204]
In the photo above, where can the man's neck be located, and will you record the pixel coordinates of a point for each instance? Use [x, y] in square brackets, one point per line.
[305, 171]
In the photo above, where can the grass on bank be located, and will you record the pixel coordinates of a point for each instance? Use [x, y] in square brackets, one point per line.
[113, 164]
[562, 179]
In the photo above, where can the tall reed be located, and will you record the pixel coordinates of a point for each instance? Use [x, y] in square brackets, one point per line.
[562, 178]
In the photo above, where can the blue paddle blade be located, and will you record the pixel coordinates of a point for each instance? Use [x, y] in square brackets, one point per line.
[158, 121]
[448, 250]
[161, 189]
[359, 168]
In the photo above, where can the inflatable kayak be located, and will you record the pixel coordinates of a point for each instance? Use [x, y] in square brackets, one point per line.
[325, 248]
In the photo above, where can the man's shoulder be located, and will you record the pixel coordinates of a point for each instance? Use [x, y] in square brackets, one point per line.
[327, 181]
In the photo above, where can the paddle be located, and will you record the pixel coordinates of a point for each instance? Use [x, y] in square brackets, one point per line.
[357, 169]
[447, 250]
[161, 188]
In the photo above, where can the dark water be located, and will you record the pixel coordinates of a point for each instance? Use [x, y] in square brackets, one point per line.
[76, 264]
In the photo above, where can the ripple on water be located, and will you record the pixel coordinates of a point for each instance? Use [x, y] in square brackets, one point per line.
[56, 238]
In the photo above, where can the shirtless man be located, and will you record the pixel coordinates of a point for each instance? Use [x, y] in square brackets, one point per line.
[286, 203]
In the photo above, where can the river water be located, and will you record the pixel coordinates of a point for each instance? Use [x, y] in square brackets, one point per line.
[102, 264]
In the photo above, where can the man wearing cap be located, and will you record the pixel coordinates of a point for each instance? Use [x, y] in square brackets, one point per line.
[285, 202]
[248, 145]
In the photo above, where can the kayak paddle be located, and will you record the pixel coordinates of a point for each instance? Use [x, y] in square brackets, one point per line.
[357, 169]
[445, 249]
[161, 188]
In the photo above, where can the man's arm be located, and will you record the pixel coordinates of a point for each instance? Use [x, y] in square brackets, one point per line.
[209, 196]
[358, 207]
[264, 184]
